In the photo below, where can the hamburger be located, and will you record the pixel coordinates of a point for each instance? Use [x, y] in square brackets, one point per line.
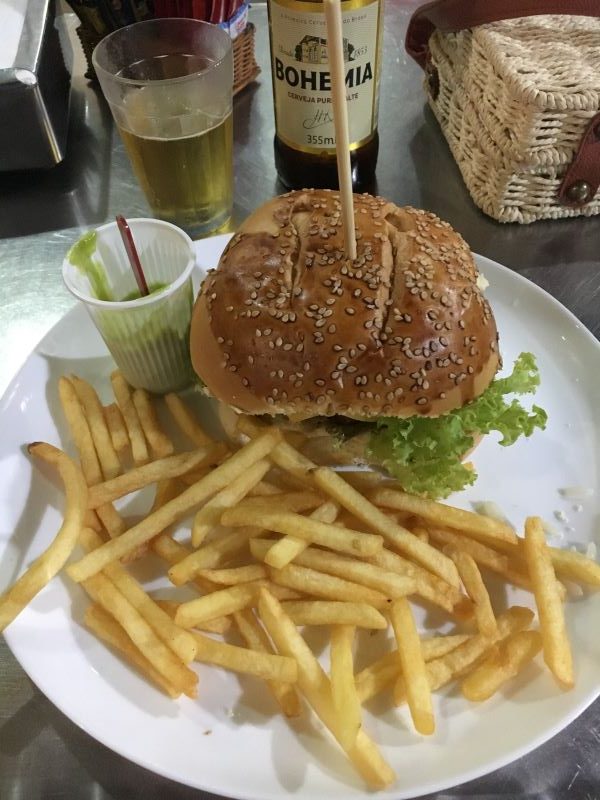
[390, 359]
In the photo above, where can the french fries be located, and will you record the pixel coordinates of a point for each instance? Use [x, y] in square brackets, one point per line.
[346, 704]
[107, 456]
[80, 431]
[473, 583]
[254, 634]
[319, 584]
[47, 565]
[106, 628]
[385, 670]
[315, 686]
[557, 650]
[361, 572]
[334, 612]
[278, 536]
[294, 502]
[116, 427]
[90, 465]
[504, 663]
[211, 555]
[397, 536]
[461, 659]
[573, 566]
[112, 521]
[284, 455]
[162, 658]
[342, 539]
[169, 467]
[160, 444]
[217, 625]
[428, 586]
[483, 555]
[264, 489]
[210, 514]
[235, 575]
[268, 666]
[122, 390]
[179, 640]
[482, 528]
[186, 421]
[288, 547]
[217, 604]
[414, 674]
[175, 509]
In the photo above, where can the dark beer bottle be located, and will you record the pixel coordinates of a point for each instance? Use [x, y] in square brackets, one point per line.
[304, 129]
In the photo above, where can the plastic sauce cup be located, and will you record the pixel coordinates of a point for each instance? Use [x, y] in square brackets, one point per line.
[148, 337]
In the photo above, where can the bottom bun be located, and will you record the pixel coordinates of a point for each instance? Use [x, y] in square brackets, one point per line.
[314, 441]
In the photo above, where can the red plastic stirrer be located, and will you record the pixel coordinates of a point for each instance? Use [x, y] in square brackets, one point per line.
[132, 255]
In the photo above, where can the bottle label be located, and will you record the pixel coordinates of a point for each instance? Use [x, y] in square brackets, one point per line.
[301, 77]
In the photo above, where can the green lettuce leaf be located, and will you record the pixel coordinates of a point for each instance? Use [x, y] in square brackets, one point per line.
[425, 453]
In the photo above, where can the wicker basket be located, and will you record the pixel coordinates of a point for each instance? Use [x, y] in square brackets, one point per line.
[245, 68]
[519, 101]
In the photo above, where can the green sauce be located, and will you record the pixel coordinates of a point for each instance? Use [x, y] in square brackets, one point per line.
[154, 288]
[81, 256]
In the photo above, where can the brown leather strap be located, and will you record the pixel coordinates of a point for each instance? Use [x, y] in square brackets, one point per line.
[582, 179]
[456, 15]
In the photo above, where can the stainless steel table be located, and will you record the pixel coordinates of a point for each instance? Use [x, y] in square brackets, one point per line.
[44, 756]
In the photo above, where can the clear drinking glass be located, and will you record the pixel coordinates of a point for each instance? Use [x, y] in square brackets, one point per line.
[169, 85]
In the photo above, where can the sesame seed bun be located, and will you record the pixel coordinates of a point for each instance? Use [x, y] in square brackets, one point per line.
[287, 325]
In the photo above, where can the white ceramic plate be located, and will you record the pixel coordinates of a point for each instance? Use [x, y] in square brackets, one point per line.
[231, 741]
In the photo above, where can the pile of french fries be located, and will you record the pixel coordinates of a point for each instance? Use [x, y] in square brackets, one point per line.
[278, 543]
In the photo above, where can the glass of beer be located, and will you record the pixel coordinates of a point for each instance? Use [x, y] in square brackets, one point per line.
[169, 86]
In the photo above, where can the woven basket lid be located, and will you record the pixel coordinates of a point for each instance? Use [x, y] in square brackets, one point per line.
[551, 62]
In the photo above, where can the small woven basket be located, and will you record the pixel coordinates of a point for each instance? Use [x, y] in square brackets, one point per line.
[518, 101]
[245, 68]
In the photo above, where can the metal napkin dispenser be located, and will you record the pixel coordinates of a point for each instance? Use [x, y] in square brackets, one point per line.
[34, 87]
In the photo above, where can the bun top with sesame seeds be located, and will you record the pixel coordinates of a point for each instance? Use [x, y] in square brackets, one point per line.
[286, 324]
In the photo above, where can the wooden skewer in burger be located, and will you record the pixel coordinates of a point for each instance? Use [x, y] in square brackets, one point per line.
[363, 323]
